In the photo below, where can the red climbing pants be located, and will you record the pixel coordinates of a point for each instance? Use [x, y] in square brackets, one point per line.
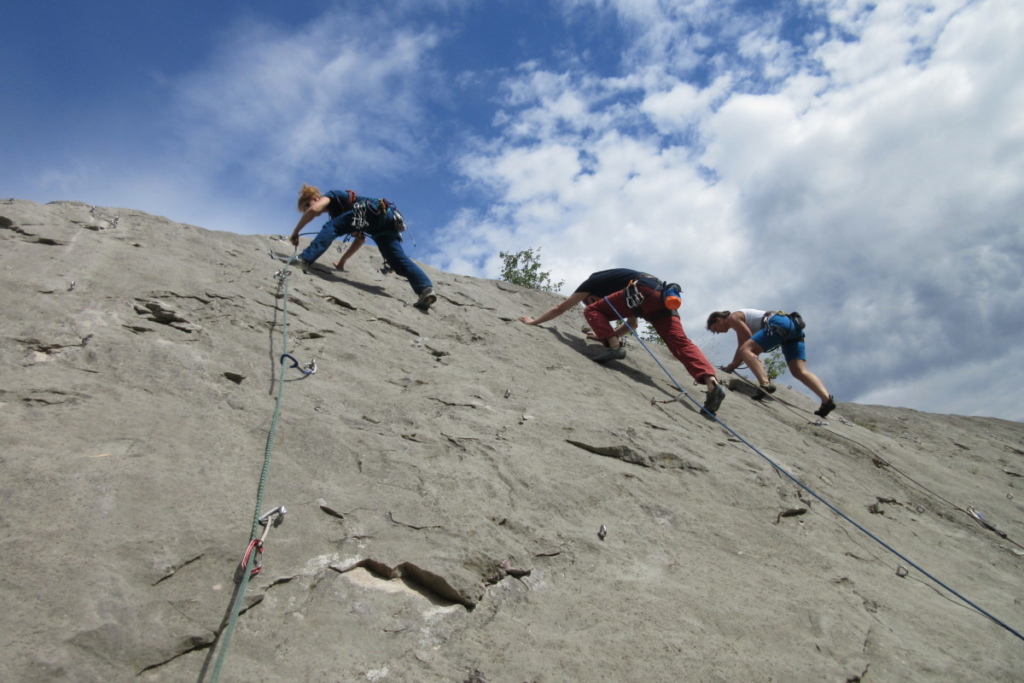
[668, 327]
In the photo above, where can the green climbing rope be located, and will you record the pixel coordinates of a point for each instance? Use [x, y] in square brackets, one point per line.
[243, 584]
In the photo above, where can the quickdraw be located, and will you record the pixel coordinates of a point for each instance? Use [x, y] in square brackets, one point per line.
[307, 369]
[359, 221]
[268, 519]
[634, 299]
[973, 512]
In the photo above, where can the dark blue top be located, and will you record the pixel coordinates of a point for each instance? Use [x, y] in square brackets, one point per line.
[339, 202]
[362, 214]
[605, 282]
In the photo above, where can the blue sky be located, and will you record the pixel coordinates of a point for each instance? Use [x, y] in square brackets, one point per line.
[861, 162]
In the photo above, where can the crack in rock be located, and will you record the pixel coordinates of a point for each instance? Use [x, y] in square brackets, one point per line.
[8, 224]
[175, 295]
[309, 334]
[457, 440]
[454, 405]
[295, 300]
[506, 569]
[172, 570]
[392, 520]
[400, 326]
[626, 454]
[877, 509]
[322, 504]
[790, 512]
[159, 312]
[420, 578]
[330, 298]
[53, 397]
[52, 349]
[192, 644]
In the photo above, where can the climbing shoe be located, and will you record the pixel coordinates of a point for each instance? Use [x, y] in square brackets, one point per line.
[611, 354]
[714, 400]
[763, 391]
[826, 407]
[427, 298]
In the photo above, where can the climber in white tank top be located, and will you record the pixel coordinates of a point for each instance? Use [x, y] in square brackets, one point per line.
[754, 318]
[758, 331]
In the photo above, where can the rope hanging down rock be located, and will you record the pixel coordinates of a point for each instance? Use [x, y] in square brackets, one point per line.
[252, 560]
[970, 510]
[809, 490]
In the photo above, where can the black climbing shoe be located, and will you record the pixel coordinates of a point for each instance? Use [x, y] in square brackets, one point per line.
[427, 297]
[763, 391]
[714, 400]
[826, 407]
[611, 354]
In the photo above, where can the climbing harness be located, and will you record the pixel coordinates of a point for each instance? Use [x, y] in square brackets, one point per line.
[358, 209]
[669, 293]
[779, 468]
[798, 325]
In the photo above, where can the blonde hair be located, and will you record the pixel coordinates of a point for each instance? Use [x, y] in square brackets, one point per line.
[307, 195]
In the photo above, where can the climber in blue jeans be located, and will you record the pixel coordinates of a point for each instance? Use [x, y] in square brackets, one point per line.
[360, 216]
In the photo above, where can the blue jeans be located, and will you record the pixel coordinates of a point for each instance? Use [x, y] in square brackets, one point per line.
[387, 241]
[332, 230]
[390, 246]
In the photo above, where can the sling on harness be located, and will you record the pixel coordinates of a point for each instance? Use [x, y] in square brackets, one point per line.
[392, 214]
[346, 205]
[358, 209]
[669, 297]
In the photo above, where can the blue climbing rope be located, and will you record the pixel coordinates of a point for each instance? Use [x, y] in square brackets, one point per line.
[806, 488]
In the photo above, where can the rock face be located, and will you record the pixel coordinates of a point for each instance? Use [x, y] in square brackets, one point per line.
[469, 499]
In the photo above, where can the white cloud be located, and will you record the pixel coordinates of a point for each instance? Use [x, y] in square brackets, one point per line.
[981, 387]
[302, 102]
[861, 162]
[873, 182]
[683, 105]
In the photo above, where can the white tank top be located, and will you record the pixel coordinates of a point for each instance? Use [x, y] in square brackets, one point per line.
[753, 318]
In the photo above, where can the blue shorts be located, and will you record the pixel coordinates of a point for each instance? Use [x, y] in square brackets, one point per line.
[781, 331]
